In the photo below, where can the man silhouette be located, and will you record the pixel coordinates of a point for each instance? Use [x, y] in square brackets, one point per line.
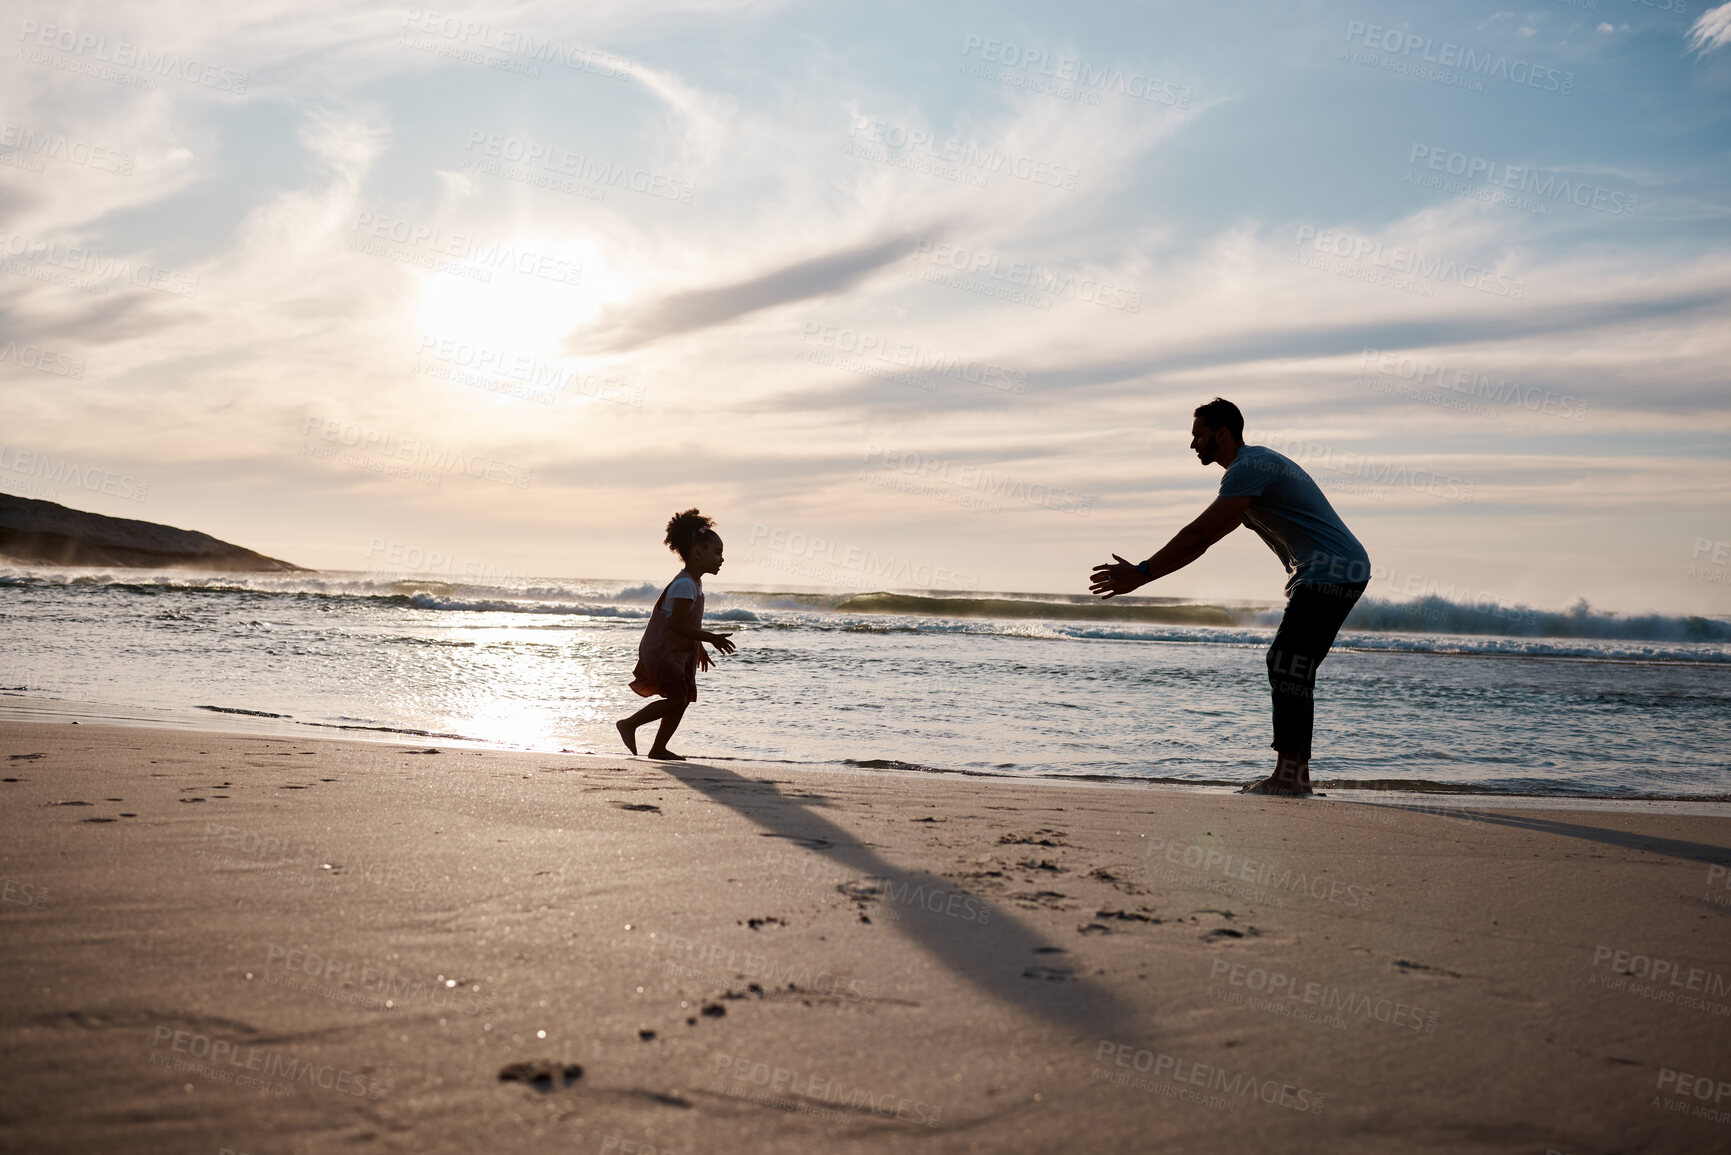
[1328, 571]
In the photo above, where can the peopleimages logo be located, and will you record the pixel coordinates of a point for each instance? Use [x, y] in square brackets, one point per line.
[432, 242]
[866, 566]
[42, 360]
[1330, 1000]
[975, 269]
[1673, 974]
[1161, 1065]
[689, 956]
[88, 263]
[539, 380]
[58, 146]
[581, 168]
[811, 1093]
[92, 47]
[966, 154]
[1074, 74]
[1476, 386]
[23, 893]
[1701, 1087]
[509, 42]
[60, 471]
[1262, 874]
[1411, 262]
[1537, 182]
[441, 459]
[919, 359]
[232, 1062]
[1373, 471]
[1402, 46]
[904, 893]
[414, 559]
[991, 487]
[377, 986]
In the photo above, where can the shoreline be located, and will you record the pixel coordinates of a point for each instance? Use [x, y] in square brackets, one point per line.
[18, 706]
[271, 943]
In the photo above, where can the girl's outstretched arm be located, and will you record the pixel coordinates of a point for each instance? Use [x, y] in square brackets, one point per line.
[682, 626]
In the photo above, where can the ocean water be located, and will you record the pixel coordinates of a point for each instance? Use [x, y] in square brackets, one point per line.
[1576, 703]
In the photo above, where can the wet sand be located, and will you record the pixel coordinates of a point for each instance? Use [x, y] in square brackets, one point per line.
[260, 944]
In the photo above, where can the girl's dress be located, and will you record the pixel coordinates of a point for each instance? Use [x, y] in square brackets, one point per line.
[666, 662]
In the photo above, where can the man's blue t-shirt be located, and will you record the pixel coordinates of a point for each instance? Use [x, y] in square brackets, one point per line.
[1293, 516]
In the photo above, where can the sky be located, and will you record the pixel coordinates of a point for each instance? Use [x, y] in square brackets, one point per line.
[901, 297]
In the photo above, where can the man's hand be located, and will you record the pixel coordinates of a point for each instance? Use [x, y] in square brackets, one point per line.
[1186, 546]
[720, 642]
[1119, 577]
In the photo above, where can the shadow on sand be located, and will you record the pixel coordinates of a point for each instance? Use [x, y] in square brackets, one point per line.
[1628, 840]
[992, 951]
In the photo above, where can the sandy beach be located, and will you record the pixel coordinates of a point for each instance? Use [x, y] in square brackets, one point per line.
[226, 942]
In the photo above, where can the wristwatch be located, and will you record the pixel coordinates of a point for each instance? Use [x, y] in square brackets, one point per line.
[1143, 566]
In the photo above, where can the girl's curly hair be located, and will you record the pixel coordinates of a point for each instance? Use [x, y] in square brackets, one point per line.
[687, 529]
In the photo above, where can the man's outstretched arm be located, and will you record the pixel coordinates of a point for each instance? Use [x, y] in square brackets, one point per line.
[1188, 544]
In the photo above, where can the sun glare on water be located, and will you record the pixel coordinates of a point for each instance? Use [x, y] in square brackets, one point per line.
[533, 685]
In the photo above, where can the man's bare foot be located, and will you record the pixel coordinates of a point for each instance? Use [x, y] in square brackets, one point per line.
[666, 756]
[629, 734]
[1280, 788]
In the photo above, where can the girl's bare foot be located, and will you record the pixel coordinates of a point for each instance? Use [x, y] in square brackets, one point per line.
[629, 734]
[666, 756]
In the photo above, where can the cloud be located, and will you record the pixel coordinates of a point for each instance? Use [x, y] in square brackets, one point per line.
[694, 309]
[1246, 346]
[15, 202]
[1712, 30]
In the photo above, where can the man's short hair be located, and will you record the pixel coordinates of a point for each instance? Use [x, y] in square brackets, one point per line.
[1222, 414]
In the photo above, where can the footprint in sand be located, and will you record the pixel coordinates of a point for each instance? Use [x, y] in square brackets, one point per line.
[1129, 916]
[542, 1074]
[1042, 837]
[1407, 966]
[1101, 874]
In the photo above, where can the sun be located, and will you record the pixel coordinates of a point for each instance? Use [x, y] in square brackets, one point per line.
[517, 299]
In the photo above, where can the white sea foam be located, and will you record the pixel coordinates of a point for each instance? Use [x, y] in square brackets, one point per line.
[1426, 626]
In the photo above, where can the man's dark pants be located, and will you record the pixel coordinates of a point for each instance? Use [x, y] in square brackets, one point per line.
[1313, 617]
